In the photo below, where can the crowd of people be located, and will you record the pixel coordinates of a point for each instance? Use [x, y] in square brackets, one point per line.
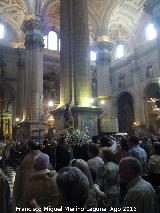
[122, 174]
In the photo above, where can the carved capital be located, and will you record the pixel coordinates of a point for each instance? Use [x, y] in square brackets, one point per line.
[33, 30]
[34, 41]
[31, 25]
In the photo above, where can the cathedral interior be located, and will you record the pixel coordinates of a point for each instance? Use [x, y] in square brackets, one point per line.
[102, 57]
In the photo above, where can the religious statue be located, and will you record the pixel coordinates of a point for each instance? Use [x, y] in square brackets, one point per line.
[68, 117]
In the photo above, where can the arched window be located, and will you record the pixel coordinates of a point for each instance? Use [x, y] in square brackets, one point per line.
[92, 56]
[51, 41]
[1, 31]
[120, 51]
[151, 32]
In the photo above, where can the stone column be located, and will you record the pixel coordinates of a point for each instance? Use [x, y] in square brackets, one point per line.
[104, 87]
[20, 85]
[75, 80]
[33, 88]
[33, 101]
[66, 76]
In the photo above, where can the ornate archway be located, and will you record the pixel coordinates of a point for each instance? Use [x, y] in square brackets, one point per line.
[126, 113]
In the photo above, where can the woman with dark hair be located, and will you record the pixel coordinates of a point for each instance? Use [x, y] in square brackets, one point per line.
[154, 166]
[73, 186]
[123, 149]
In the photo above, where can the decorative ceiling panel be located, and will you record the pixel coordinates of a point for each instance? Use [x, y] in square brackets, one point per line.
[13, 13]
[125, 17]
[118, 18]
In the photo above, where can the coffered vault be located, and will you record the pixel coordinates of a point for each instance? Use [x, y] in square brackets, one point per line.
[118, 18]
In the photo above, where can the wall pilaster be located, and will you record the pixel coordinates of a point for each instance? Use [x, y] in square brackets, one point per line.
[105, 99]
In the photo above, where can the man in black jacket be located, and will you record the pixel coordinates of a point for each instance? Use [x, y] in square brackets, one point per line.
[63, 156]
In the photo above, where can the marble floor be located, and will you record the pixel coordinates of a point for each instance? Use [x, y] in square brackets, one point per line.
[10, 173]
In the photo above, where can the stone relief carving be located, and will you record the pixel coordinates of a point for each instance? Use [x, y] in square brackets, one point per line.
[122, 81]
[149, 72]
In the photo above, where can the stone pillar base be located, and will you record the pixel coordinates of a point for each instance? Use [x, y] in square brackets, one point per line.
[85, 118]
[31, 130]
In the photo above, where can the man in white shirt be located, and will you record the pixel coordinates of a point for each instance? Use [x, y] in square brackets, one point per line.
[95, 162]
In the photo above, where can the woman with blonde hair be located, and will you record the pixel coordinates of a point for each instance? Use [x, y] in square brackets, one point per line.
[83, 166]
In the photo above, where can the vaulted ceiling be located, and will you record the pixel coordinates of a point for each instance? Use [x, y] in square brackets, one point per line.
[118, 18]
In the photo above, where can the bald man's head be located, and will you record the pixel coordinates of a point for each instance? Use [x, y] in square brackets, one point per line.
[129, 169]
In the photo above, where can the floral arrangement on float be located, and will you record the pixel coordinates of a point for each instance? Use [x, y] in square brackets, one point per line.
[75, 137]
[78, 142]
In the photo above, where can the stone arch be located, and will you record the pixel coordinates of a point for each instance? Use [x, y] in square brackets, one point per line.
[126, 118]
[45, 4]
